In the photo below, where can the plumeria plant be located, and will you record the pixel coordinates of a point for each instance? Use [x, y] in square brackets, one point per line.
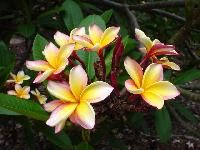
[90, 80]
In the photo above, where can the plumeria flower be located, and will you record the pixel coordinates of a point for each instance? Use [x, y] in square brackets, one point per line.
[164, 61]
[155, 47]
[19, 78]
[41, 98]
[74, 100]
[56, 61]
[97, 39]
[21, 92]
[63, 39]
[150, 85]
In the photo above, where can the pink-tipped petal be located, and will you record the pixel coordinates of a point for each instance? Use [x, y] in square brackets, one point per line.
[152, 74]
[109, 35]
[153, 99]
[96, 92]
[77, 80]
[95, 33]
[165, 89]
[51, 52]
[61, 113]
[43, 76]
[134, 70]
[85, 115]
[60, 126]
[49, 107]
[38, 65]
[61, 91]
[132, 88]
[84, 41]
[60, 38]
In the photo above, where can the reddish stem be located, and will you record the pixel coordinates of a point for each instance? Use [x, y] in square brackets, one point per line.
[78, 59]
[144, 61]
[102, 61]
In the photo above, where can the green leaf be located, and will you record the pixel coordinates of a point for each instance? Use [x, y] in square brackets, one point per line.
[4, 111]
[25, 107]
[108, 61]
[83, 146]
[187, 76]
[163, 124]
[73, 14]
[7, 62]
[39, 44]
[93, 19]
[89, 59]
[107, 15]
[61, 139]
[27, 30]
[117, 143]
[184, 112]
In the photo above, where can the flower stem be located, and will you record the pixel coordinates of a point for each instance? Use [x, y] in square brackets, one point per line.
[102, 64]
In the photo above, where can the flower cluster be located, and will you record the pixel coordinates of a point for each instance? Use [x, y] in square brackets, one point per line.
[73, 95]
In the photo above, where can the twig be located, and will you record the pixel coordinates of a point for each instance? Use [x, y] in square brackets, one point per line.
[191, 95]
[167, 14]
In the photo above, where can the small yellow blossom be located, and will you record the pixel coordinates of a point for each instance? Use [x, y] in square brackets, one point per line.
[19, 78]
[164, 61]
[21, 92]
[41, 98]
[97, 39]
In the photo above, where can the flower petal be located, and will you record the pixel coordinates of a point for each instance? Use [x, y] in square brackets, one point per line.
[85, 115]
[43, 76]
[38, 65]
[60, 126]
[171, 65]
[134, 70]
[109, 35]
[95, 33]
[61, 38]
[141, 36]
[165, 89]
[161, 49]
[77, 80]
[78, 31]
[96, 92]
[61, 91]
[61, 113]
[49, 107]
[51, 52]
[84, 41]
[132, 88]
[152, 74]
[153, 99]
[12, 92]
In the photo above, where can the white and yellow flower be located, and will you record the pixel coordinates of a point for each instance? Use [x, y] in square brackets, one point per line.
[18, 78]
[63, 39]
[97, 39]
[56, 61]
[150, 85]
[155, 47]
[74, 100]
[21, 92]
[41, 98]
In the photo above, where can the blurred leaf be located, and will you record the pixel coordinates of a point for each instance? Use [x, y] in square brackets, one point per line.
[25, 107]
[187, 76]
[117, 143]
[7, 62]
[89, 59]
[93, 19]
[4, 111]
[107, 15]
[27, 30]
[108, 61]
[83, 146]
[184, 112]
[163, 124]
[28, 131]
[89, 6]
[39, 44]
[61, 139]
[73, 14]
